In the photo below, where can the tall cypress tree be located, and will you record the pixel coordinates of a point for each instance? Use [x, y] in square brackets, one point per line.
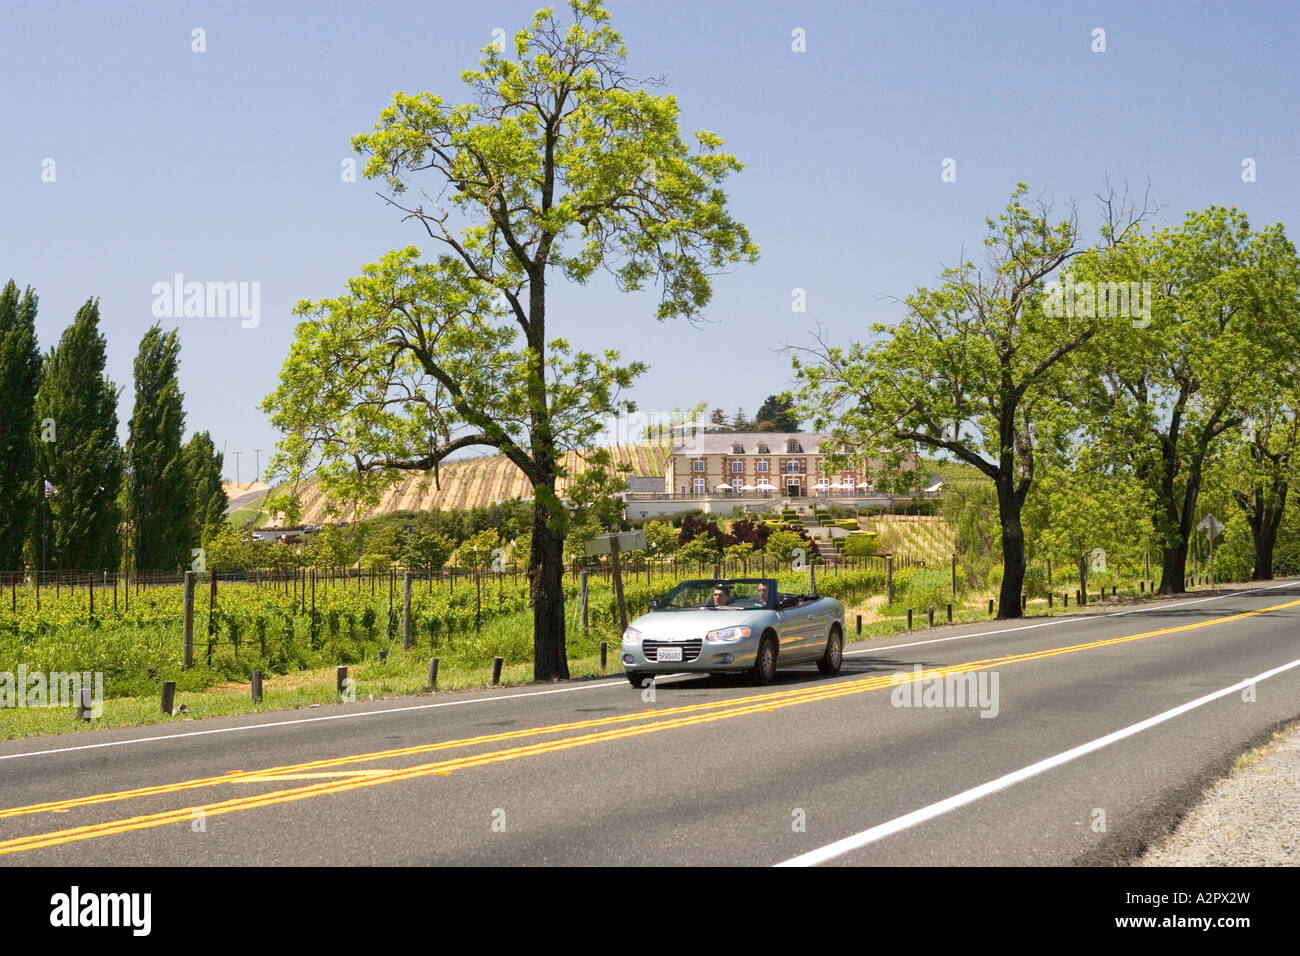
[203, 463]
[159, 494]
[20, 375]
[78, 453]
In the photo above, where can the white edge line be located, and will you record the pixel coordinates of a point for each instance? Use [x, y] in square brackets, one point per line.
[306, 720]
[880, 831]
[1071, 619]
[593, 686]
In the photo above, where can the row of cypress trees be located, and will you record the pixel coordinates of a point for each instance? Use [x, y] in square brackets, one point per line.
[71, 496]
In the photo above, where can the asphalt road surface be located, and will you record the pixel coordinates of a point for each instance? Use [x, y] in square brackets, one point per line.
[1090, 735]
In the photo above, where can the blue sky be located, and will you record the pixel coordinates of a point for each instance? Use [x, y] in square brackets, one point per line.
[225, 165]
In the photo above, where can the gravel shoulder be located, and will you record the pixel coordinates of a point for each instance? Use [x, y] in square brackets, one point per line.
[1249, 818]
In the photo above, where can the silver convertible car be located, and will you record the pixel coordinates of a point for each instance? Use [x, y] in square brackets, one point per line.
[730, 625]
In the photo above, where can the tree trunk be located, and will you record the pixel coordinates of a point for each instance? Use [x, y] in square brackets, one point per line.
[1173, 571]
[1264, 517]
[1265, 538]
[546, 591]
[1013, 554]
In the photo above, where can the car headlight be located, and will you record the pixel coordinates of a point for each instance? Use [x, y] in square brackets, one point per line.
[631, 634]
[727, 634]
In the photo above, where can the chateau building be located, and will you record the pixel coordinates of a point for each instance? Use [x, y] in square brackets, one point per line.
[758, 465]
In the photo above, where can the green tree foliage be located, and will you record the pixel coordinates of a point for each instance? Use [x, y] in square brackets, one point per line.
[427, 548]
[1088, 519]
[660, 538]
[1219, 345]
[20, 375]
[782, 545]
[208, 502]
[84, 460]
[1256, 466]
[160, 498]
[478, 551]
[973, 369]
[560, 165]
[776, 414]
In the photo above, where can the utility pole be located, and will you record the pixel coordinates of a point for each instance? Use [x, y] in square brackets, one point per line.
[236, 454]
[258, 475]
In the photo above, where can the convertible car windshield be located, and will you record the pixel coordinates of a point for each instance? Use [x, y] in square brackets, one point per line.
[746, 594]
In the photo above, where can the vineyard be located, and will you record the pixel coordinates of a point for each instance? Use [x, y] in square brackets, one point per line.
[303, 621]
[920, 537]
[471, 483]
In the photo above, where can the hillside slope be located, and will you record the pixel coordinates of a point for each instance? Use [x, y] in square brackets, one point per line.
[469, 483]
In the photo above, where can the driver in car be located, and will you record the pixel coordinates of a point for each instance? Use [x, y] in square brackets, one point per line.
[721, 595]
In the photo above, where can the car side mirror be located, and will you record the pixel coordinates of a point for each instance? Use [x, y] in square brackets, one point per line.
[654, 604]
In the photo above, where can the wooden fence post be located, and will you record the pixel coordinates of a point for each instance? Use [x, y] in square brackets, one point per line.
[168, 696]
[582, 596]
[406, 610]
[188, 659]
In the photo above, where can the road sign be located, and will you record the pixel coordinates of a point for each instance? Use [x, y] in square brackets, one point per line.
[1211, 526]
[627, 541]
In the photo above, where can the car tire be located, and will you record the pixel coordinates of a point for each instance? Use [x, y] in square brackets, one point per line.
[830, 661]
[635, 678]
[764, 669]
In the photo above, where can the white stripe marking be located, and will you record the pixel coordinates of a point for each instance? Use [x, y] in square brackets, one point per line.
[908, 820]
[308, 720]
[595, 686]
[1070, 619]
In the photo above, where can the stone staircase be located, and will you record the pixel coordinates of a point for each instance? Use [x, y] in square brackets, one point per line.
[825, 549]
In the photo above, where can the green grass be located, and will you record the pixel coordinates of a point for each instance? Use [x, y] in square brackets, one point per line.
[403, 673]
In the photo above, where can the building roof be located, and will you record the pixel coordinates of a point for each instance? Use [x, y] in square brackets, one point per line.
[638, 483]
[725, 443]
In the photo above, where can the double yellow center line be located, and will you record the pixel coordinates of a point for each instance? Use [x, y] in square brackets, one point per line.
[595, 731]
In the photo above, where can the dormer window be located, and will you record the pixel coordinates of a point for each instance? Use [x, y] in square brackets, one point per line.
[762, 449]
[737, 449]
[792, 447]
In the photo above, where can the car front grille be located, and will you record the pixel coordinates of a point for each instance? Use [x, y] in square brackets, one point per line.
[690, 649]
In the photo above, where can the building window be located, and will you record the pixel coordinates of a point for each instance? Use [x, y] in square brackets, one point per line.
[737, 485]
[737, 449]
[793, 468]
[792, 447]
[762, 449]
[699, 486]
[760, 467]
[697, 466]
[737, 467]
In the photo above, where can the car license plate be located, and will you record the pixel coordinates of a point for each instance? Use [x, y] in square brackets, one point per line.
[670, 653]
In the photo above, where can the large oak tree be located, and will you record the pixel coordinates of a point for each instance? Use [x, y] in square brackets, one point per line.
[560, 165]
[972, 369]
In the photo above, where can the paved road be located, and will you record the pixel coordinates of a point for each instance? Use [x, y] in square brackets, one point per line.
[247, 498]
[1102, 729]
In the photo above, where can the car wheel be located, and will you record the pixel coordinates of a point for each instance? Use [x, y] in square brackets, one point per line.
[830, 662]
[764, 669]
[635, 678]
